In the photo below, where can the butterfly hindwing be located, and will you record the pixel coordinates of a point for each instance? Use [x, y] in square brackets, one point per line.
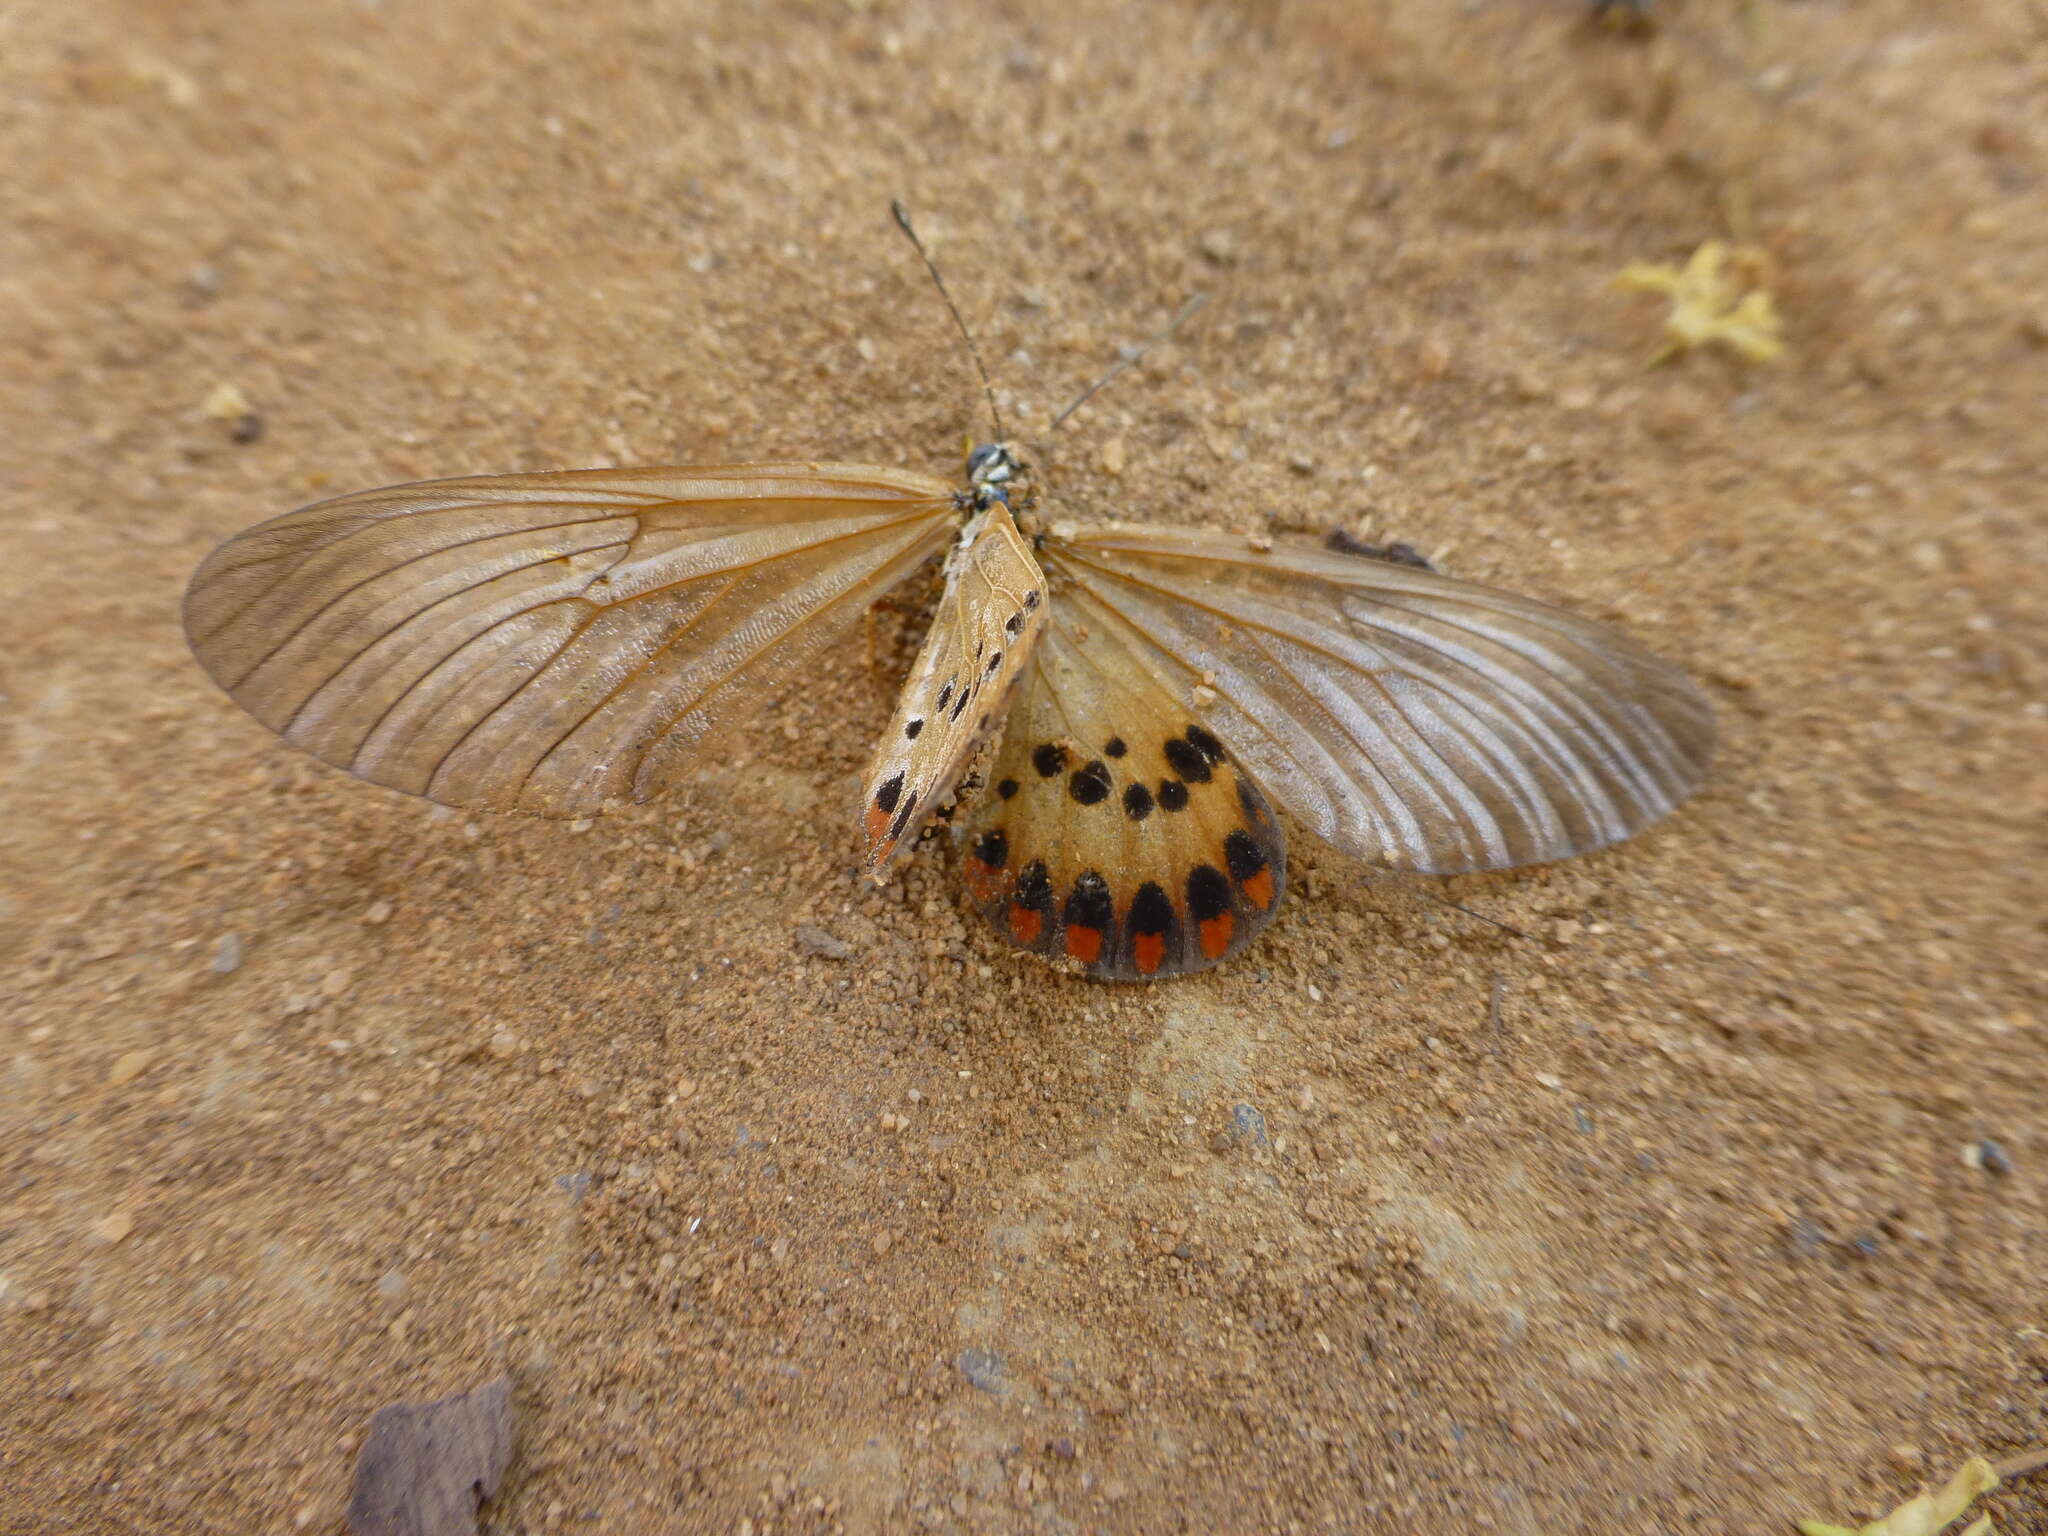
[1404, 716]
[1114, 829]
[989, 620]
[546, 643]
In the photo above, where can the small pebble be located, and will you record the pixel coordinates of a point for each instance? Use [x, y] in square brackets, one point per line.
[227, 403]
[129, 1065]
[576, 1184]
[1987, 1156]
[227, 956]
[112, 1229]
[1248, 1124]
[1113, 457]
[378, 914]
[336, 982]
[1804, 1238]
[813, 940]
[982, 1369]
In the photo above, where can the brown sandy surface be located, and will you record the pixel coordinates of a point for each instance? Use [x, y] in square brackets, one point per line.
[313, 1097]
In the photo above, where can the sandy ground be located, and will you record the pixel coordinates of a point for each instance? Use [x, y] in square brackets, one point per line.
[313, 1097]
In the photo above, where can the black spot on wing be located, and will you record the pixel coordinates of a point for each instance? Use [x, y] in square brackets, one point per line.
[993, 849]
[1243, 855]
[1137, 802]
[1188, 760]
[1115, 747]
[1007, 788]
[1034, 888]
[1151, 909]
[1173, 795]
[1205, 744]
[887, 796]
[911, 729]
[1089, 906]
[1208, 893]
[1048, 758]
[1248, 797]
[1091, 785]
[903, 817]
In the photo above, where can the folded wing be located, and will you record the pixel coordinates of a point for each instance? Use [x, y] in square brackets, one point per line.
[988, 620]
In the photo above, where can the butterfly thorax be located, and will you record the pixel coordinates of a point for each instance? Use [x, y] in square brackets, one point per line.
[995, 473]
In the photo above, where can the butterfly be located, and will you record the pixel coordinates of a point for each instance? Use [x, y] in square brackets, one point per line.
[1134, 704]
[1141, 698]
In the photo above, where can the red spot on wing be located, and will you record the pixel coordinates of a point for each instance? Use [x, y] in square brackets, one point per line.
[1259, 888]
[1216, 934]
[1026, 924]
[1147, 950]
[1084, 944]
[879, 841]
[984, 881]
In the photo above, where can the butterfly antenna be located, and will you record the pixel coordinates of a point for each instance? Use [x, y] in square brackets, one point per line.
[1187, 310]
[903, 222]
[1445, 901]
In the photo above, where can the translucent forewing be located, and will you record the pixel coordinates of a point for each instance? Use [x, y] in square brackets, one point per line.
[546, 643]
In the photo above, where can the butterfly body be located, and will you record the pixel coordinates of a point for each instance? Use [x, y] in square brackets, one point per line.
[1146, 699]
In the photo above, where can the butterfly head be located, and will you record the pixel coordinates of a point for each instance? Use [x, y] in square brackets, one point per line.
[994, 474]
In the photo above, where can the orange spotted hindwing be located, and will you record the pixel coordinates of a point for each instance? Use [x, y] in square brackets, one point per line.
[1114, 829]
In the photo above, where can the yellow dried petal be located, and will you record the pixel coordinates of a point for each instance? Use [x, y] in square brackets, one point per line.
[1718, 296]
[1926, 1514]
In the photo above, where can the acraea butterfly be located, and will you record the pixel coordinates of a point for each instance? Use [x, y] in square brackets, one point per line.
[1138, 700]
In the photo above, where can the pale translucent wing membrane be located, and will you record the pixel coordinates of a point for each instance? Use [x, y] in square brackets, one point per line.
[545, 643]
[988, 621]
[1403, 716]
[1113, 830]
